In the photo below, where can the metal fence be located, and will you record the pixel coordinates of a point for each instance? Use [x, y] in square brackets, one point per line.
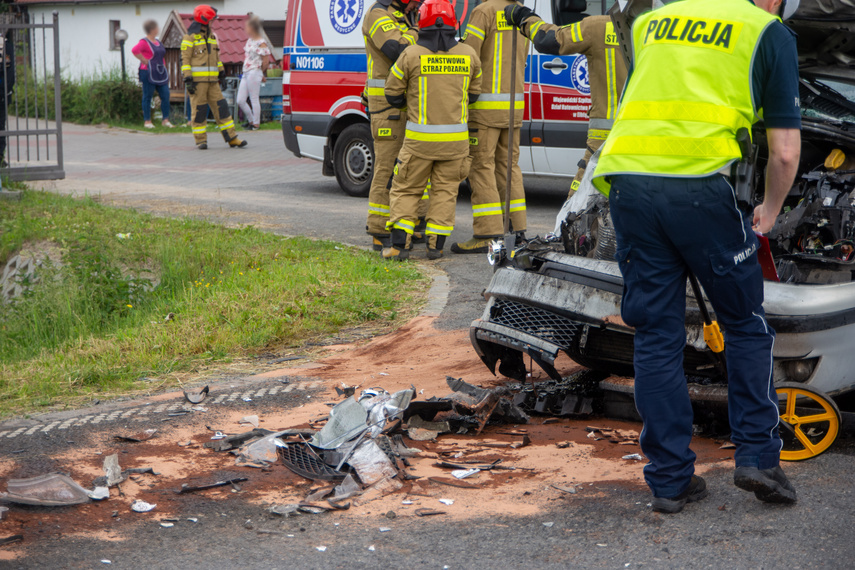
[31, 106]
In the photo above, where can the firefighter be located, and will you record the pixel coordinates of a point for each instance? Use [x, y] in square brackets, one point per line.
[388, 28]
[202, 70]
[704, 71]
[436, 80]
[595, 38]
[489, 134]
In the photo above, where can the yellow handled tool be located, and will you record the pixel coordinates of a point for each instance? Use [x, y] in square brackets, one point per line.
[712, 332]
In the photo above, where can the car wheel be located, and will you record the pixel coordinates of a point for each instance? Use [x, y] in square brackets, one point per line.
[353, 159]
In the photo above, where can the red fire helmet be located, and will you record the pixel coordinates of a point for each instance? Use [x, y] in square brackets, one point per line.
[434, 10]
[204, 14]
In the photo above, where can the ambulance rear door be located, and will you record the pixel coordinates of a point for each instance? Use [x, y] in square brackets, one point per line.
[565, 98]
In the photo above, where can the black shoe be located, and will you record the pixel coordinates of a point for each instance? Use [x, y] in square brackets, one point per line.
[379, 243]
[434, 253]
[202, 146]
[237, 143]
[247, 125]
[696, 491]
[769, 485]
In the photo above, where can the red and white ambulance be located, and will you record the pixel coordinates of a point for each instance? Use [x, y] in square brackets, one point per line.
[323, 117]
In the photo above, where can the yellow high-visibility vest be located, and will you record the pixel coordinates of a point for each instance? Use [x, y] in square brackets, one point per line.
[689, 93]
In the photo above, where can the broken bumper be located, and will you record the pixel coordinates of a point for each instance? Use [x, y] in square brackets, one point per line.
[572, 304]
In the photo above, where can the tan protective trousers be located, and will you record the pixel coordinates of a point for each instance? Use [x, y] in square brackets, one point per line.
[387, 129]
[408, 185]
[209, 95]
[592, 146]
[488, 174]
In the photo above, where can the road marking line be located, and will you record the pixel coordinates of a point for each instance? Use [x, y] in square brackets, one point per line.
[16, 432]
[314, 384]
[275, 389]
[160, 408]
[220, 398]
[31, 431]
[50, 426]
[288, 388]
[260, 393]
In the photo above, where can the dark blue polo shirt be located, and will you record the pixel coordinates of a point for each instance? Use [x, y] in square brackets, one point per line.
[775, 78]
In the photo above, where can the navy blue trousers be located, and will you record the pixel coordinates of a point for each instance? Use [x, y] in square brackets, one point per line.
[665, 227]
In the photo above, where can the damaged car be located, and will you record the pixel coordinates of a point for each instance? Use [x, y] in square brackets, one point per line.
[562, 293]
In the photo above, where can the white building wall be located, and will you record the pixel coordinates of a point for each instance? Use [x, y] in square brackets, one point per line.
[84, 29]
[265, 9]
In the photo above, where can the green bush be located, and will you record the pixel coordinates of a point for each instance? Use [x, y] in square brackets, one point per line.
[100, 98]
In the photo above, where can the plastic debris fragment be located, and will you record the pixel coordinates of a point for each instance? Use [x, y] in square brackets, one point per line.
[141, 506]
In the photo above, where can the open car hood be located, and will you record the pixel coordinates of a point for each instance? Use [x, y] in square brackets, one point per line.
[825, 28]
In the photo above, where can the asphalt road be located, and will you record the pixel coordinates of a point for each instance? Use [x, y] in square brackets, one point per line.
[609, 528]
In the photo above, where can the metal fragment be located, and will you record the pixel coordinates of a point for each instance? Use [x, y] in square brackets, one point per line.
[196, 397]
[185, 488]
[428, 512]
[11, 539]
[52, 490]
[136, 438]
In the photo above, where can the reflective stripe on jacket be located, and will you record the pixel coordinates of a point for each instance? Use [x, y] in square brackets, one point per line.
[490, 36]
[200, 57]
[380, 25]
[681, 120]
[595, 38]
[438, 86]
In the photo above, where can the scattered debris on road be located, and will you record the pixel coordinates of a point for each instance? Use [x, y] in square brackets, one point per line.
[187, 488]
[51, 490]
[11, 539]
[196, 397]
[137, 438]
[140, 506]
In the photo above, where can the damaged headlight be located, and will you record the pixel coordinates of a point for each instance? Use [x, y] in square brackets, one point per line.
[496, 252]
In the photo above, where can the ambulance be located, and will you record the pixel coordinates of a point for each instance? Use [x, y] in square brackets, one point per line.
[323, 117]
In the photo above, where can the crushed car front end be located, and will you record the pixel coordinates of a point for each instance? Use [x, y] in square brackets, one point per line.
[563, 293]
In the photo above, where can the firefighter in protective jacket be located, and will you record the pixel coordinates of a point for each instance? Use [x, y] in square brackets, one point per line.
[490, 36]
[436, 80]
[388, 28]
[595, 38]
[202, 71]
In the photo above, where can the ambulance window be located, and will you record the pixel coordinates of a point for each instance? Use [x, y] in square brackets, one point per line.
[568, 11]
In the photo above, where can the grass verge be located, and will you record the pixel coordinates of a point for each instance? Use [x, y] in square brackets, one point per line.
[136, 296]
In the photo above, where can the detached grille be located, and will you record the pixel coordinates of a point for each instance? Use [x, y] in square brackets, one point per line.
[534, 321]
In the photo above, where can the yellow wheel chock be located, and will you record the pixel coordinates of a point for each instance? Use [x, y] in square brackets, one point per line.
[810, 421]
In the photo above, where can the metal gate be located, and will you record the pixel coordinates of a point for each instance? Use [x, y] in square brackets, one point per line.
[31, 106]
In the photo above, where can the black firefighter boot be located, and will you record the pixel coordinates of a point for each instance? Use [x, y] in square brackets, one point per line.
[379, 243]
[398, 248]
[419, 232]
[435, 245]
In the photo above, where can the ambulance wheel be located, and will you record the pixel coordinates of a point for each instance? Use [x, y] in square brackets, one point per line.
[353, 159]
[810, 421]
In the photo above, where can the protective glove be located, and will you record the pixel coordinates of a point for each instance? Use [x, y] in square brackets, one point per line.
[190, 85]
[516, 14]
[221, 75]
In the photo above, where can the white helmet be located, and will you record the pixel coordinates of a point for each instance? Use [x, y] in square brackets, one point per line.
[788, 8]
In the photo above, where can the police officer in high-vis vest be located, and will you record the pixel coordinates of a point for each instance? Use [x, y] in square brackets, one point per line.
[389, 26]
[595, 38]
[702, 70]
[489, 134]
[436, 80]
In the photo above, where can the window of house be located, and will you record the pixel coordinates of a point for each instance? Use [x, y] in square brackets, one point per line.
[115, 25]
